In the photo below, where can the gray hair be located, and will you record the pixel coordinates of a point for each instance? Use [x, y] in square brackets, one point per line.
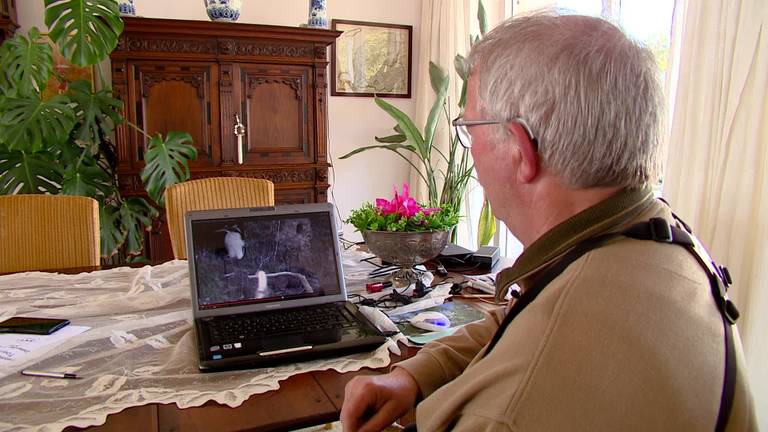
[589, 94]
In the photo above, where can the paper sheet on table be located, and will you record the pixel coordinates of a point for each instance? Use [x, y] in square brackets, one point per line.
[16, 349]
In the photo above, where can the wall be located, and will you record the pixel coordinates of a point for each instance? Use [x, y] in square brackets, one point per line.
[353, 121]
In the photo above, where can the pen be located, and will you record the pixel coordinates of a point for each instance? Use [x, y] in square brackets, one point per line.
[66, 375]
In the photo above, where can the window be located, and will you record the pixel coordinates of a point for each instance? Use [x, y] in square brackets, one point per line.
[647, 21]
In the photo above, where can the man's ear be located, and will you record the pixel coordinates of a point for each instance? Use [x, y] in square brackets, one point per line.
[529, 167]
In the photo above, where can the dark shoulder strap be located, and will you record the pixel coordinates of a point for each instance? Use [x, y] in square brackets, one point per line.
[656, 229]
[544, 278]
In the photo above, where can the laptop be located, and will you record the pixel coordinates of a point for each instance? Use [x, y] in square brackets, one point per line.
[268, 287]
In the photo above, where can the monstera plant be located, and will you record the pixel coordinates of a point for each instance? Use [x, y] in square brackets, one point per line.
[61, 142]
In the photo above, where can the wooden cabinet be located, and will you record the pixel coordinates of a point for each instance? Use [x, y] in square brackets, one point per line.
[197, 76]
[8, 22]
[178, 96]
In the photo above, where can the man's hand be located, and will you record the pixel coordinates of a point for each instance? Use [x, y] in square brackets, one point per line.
[372, 403]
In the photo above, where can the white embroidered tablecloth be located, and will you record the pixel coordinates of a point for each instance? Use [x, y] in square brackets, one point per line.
[140, 348]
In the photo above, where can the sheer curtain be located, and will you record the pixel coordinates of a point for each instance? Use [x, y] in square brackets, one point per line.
[444, 32]
[717, 171]
[445, 29]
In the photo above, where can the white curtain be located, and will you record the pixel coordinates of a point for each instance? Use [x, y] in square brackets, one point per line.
[445, 29]
[444, 33]
[717, 171]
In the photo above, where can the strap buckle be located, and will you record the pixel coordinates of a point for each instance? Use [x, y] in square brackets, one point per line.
[660, 230]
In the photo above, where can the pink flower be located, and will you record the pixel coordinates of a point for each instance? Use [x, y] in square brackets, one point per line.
[401, 204]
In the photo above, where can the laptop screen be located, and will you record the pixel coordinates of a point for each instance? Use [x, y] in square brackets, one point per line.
[264, 258]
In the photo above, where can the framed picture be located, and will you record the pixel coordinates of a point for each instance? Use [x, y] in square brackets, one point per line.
[371, 59]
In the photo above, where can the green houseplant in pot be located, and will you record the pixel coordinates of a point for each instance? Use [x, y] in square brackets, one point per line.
[404, 232]
[445, 173]
[61, 143]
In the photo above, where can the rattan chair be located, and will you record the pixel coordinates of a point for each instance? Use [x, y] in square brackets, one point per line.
[209, 194]
[45, 232]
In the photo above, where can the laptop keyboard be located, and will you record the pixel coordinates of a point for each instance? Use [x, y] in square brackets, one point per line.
[246, 326]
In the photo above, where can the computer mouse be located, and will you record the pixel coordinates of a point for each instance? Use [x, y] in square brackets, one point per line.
[430, 321]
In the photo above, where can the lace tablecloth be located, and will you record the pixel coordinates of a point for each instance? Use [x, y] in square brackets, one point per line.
[140, 348]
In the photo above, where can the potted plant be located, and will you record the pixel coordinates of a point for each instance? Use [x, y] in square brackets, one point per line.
[404, 232]
[445, 174]
[61, 143]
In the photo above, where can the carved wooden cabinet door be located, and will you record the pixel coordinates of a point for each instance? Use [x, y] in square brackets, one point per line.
[276, 104]
[178, 96]
[262, 86]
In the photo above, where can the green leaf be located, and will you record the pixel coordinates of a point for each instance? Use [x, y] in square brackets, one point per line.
[166, 163]
[460, 65]
[86, 31]
[406, 125]
[439, 80]
[86, 178]
[22, 172]
[94, 111]
[136, 216]
[397, 138]
[392, 147]
[112, 232]
[31, 124]
[482, 18]
[26, 65]
[463, 97]
[486, 225]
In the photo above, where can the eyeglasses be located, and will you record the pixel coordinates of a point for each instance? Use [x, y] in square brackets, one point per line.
[465, 138]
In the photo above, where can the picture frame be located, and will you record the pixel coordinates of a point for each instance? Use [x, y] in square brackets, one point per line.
[371, 59]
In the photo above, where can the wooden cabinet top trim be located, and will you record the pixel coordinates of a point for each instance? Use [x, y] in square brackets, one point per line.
[223, 30]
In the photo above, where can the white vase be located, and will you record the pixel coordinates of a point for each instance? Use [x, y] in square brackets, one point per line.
[318, 17]
[126, 7]
[223, 10]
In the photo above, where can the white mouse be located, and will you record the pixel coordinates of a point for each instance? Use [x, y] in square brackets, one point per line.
[430, 321]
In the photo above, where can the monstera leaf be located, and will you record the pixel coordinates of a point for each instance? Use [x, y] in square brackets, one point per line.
[135, 216]
[31, 124]
[25, 65]
[93, 111]
[112, 232]
[85, 177]
[86, 31]
[166, 163]
[22, 172]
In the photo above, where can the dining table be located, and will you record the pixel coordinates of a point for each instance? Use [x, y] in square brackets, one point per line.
[137, 361]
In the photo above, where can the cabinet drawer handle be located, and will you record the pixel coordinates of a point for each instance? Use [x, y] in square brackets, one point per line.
[239, 132]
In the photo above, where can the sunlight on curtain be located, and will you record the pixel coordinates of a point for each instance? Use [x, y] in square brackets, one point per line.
[444, 32]
[445, 29]
[717, 171]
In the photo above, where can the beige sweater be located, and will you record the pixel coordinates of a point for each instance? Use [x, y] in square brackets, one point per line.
[627, 338]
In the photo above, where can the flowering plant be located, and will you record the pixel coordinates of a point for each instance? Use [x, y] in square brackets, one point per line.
[402, 213]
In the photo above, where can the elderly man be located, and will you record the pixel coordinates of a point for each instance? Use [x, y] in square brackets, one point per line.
[563, 119]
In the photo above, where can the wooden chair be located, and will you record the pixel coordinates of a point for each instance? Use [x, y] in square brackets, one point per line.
[45, 232]
[209, 194]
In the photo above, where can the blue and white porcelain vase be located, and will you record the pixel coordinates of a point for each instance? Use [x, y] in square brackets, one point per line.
[317, 14]
[223, 10]
[126, 7]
